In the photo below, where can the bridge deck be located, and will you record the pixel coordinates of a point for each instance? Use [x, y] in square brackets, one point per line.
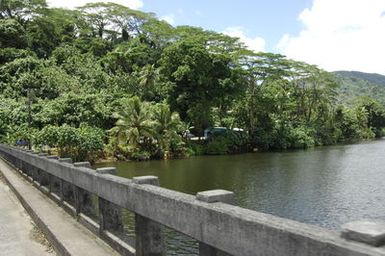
[18, 235]
[74, 238]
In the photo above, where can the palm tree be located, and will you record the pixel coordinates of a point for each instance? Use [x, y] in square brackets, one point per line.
[167, 124]
[148, 77]
[134, 125]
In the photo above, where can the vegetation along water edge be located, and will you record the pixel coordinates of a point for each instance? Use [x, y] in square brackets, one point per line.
[106, 81]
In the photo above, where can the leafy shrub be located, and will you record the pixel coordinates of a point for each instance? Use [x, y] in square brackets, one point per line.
[229, 142]
[285, 136]
[301, 138]
[140, 155]
[218, 146]
[18, 133]
[81, 143]
[195, 148]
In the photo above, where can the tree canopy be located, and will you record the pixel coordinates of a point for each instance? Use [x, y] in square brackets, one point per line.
[105, 69]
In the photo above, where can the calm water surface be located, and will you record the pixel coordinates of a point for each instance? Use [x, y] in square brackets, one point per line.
[325, 186]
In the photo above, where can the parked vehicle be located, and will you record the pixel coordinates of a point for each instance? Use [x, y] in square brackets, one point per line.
[214, 131]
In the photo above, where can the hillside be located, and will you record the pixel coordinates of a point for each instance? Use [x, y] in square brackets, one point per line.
[370, 77]
[355, 84]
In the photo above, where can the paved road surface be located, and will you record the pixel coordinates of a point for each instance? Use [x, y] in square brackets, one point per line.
[18, 234]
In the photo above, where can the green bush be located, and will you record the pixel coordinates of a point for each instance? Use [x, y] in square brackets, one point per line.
[82, 143]
[195, 149]
[140, 155]
[15, 133]
[227, 143]
[285, 136]
[218, 145]
[301, 137]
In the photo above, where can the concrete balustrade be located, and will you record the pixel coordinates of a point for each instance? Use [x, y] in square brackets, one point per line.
[83, 199]
[149, 236]
[110, 217]
[365, 231]
[212, 196]
[210, 217]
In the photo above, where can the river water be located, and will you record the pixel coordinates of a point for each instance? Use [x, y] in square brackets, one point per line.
[324, 186]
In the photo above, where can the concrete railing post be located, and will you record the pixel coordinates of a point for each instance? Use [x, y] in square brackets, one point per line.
[44, 177]
[149, 236]
[51, 178]
[37, 173]
[365, 231]
[83, 199]
[27, 169]
[213, 196]
[110, 215]
[65, 189]
[21, 165]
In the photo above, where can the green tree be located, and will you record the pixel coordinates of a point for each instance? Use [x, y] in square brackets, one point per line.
[353, 124]
[22, 10]
[97, 16]
[197, 75]
[129, 22]
[376, 115]
[52, 28]
[10, 54]
[74, 109]
[168, 129]
[134, 127]
[17, 76]
[83, 143]
[12, 34]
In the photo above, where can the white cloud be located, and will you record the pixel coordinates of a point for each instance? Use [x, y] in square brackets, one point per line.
[133, 4]
[340, 35]
[169, 19]
[256, 44]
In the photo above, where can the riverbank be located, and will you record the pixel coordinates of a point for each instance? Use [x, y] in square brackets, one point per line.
[198, 149]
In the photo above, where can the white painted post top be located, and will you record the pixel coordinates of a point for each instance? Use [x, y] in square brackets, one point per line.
[365, 231]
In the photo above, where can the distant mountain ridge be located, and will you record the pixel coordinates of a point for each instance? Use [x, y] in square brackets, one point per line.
[354, 84]
[370, 77]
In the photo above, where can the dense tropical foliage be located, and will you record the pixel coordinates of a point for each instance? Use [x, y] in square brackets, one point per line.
[107, 80]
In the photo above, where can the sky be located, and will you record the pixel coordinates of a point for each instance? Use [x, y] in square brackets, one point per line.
[332, 34]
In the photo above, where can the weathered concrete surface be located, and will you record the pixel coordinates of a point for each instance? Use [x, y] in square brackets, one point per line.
[18, 234]
[212, 196]
[365, 231]
[149, 235]
[218, 195]
[67, 236]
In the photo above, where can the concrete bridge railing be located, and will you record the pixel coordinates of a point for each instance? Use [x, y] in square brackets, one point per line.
[210, 217]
